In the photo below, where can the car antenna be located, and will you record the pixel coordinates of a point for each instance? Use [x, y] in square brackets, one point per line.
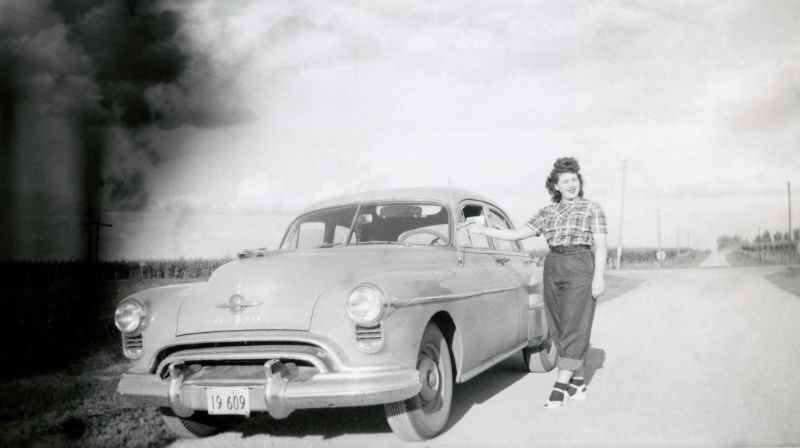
[459, 255]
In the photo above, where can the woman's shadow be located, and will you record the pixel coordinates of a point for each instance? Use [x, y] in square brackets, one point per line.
[595, 358]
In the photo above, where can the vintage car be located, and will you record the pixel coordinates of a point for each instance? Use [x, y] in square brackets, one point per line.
[378, 298]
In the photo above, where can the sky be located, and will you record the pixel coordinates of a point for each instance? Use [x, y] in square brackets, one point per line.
[197, 129]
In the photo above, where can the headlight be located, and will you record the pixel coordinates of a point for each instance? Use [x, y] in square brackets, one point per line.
[365, 305]
[130, 316]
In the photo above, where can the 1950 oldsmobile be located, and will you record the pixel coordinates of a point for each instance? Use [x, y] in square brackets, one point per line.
[379, 298]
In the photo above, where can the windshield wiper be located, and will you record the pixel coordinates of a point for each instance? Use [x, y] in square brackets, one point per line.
[325, 246]
[381, 242]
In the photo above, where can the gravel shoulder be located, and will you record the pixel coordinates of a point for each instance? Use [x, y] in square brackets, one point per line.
[787, 279]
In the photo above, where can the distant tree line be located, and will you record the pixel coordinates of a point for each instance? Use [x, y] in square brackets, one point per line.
[56, 271]
[766, 237]
[775, 237]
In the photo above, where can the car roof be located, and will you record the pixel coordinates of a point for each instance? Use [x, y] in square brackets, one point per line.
[439, 194]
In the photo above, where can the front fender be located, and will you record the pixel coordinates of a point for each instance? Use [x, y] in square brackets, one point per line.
[405, 319]
[163, 305]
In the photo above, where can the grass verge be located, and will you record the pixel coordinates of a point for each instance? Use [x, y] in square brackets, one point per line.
[788, 279]
[617, 286]
[738, 258]
[77, 409]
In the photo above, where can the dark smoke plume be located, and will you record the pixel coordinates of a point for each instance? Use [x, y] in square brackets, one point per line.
[115, 73]
[132, 47]
[9, 96]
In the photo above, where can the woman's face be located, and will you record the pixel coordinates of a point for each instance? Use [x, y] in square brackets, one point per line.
[568, 185]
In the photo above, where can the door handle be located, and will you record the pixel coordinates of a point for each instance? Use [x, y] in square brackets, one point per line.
[502, 261]
[528, 261]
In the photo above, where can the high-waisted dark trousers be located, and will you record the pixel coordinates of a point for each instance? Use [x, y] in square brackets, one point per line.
[569, 305]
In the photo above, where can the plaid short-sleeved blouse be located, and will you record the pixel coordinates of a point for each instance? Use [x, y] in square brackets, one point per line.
[569, 223]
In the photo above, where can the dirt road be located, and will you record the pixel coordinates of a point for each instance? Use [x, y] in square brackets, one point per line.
[691, 357]
[716, 259]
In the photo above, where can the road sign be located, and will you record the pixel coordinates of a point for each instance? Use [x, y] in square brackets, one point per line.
[661, 255]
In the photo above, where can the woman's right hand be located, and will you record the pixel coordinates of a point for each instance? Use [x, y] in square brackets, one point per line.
[475, 228]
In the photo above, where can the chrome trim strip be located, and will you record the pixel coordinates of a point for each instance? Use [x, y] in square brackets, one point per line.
[268, 337]
[242, 353]
[400, 303]
[490, 363]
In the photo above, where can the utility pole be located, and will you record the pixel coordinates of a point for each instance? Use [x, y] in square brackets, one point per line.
[659, 254]
[659, 230]
[789, 192]
[758, 243]
[677, 242]
[97, 225]
[621, 215]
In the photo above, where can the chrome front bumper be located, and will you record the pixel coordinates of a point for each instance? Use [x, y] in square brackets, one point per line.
[281, 390]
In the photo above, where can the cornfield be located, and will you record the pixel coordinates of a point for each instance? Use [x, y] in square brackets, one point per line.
[639, 257]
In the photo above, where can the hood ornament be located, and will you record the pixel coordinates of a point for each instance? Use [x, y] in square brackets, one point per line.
[237, 303]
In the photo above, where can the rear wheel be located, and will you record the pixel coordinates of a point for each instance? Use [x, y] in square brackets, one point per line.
[200, 424]
[425, 415]
[541, 358]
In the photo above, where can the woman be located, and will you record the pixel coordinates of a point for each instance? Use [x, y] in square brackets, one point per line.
[573, 275]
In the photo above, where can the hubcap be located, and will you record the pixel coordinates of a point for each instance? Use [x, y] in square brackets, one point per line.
[429, 374]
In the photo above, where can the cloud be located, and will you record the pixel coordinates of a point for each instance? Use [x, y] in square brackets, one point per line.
[266, 192]
[774, 102]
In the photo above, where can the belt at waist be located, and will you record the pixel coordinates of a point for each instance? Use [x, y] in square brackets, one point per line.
[570, 249]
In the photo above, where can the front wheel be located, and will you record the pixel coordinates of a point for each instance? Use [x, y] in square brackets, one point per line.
[542, 358]
[200, 424]
[425, 415]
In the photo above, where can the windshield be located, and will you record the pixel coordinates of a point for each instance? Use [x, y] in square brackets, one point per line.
[407, 223]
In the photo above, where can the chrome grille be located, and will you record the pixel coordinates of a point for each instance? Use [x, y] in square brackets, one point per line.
[132, 345]
[132, 342]
[369, 333]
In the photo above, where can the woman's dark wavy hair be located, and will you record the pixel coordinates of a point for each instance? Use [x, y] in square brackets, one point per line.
[563, 165]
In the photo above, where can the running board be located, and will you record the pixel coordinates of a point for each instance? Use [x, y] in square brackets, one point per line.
[491, 362]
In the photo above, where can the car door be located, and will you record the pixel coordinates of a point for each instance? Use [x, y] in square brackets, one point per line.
[511, 257]
[492, 317]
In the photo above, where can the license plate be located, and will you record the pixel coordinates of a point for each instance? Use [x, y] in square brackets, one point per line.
[228, 400]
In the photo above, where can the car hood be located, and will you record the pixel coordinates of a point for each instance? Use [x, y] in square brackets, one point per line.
[278, 291]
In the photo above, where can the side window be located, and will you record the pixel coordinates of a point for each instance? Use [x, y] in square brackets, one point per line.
[320, 234]
[410, 223]
[496, 220]
[310, 235]
[465, 238]
[340, 235]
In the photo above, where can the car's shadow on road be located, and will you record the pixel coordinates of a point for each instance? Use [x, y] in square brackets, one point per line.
[485, 386]
[495, 380]
[328, 423]
[331, 423]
